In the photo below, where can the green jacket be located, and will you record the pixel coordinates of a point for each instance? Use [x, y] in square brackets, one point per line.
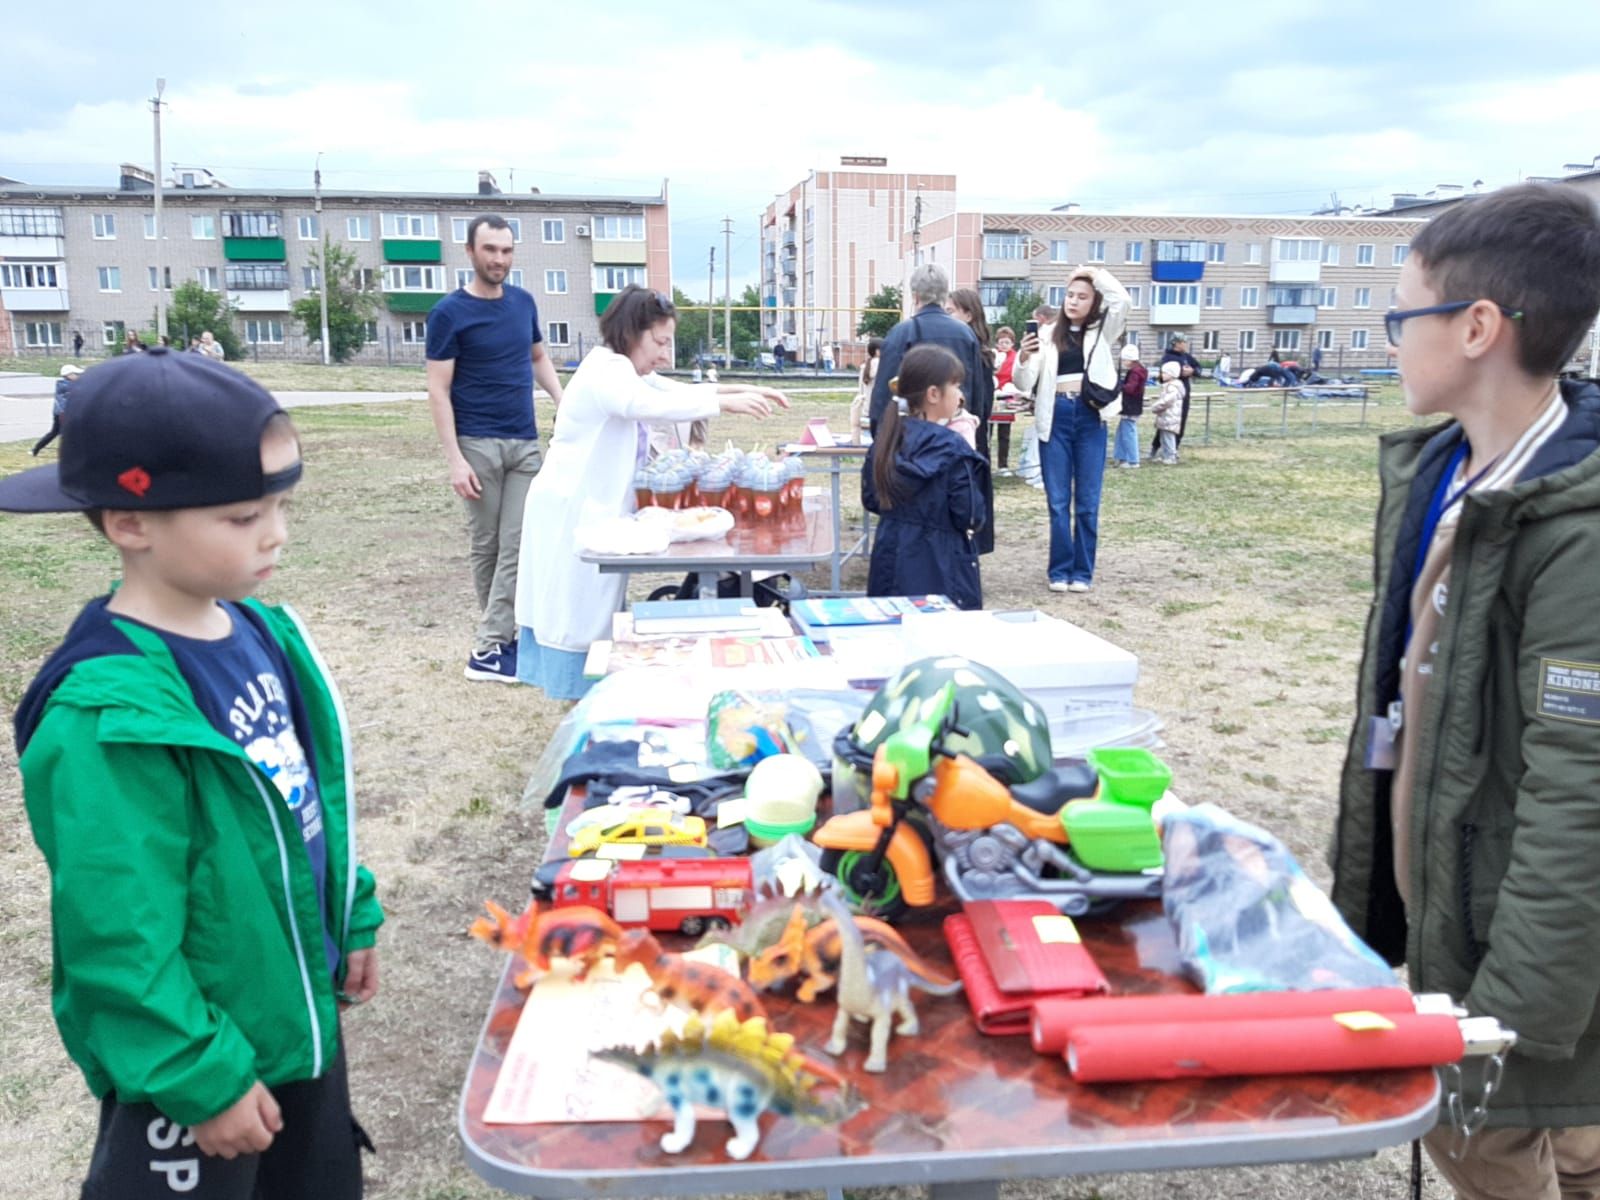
[1505, 820]
[188, 947]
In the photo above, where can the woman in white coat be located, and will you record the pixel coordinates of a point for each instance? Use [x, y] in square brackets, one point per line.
[564, 604]
[1052, 365]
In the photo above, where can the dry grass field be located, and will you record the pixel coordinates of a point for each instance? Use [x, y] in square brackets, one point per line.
[1239, 578]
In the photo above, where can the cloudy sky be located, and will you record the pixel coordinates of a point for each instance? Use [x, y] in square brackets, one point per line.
[1226, 106]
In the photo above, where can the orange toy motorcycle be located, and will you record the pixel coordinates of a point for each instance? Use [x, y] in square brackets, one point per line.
[991, 841]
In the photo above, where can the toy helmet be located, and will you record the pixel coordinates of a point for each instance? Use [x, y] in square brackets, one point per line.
[1002, 727]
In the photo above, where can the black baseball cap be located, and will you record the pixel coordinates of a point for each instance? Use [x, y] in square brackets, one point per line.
[154, 431]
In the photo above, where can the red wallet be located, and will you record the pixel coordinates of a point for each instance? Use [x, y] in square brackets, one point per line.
[1007, 960]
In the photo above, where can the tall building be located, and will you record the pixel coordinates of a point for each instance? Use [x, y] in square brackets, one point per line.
[834, 239]
[80, 260]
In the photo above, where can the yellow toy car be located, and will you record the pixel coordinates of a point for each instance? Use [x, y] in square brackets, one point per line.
[640, 829]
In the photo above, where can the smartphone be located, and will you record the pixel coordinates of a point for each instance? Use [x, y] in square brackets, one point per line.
[1031, 327]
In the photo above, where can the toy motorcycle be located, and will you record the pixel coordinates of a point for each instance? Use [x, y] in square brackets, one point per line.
[991, 841]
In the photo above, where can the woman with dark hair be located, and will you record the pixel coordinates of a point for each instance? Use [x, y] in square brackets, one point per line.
[869, 375]
[966, 306]
[600, 438]
[1054, 364]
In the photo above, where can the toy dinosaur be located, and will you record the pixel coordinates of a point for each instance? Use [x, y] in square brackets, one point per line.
[813, 954]
[764, 923]
[874, 986]
[738, 1066]
[584, 935]
[698, 987]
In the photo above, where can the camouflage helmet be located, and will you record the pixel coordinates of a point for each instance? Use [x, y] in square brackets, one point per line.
[1003, 726]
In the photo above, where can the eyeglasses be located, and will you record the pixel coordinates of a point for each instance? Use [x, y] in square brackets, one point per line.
[1395, 318]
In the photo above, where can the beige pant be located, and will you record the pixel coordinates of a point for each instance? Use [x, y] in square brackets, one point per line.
[1521, 1164]
[505, 468]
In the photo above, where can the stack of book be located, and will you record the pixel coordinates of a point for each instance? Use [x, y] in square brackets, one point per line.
[819, 619]
[697, 633]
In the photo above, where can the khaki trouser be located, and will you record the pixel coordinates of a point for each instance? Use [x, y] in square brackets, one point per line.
[505, 467]
[1521, 1164]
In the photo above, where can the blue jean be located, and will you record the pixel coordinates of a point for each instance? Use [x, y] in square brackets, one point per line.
[1127, 443]
[1073, 462]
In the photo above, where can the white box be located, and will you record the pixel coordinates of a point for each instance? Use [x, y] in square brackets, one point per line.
[1054, 661]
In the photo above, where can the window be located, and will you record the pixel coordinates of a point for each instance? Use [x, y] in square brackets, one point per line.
[1249, 297]
[369, 332]
[414, 333]
[264, 331]
[154, 286]
[113, 333]
[358, 229]
[366, 279]
[1135, 296]
[413, 279]
[251, 225]
[149, 226]
[1400, 253]
[105, 226]
[556, 333]
[1133, 337]
[619, 229]
[310, 227]
[1059, 252]
[1298, 297]
[310, 278]
[1358, 339]
[1252, 253]
[614, 279]
[257, 277]
[1056, 296]
[555, 283]
[1324, 339]
[110, 278]
[1247, 339]
[1286, 339]
[1005, 245]
[1327, 297]
[1213, 297]
[463, 276]
[1363, 298]
[1178, 293]
[1364, 255]
[1133, 252]
[208, 278]
[203, 229]
[997, 293]
[1211, 340]
[1170, 251]
[1216, 252]
[30, 275]
[516, 228]
[1330, 254]
[1297, 249]
[553, 230]
[31, 222]
[42, 333]
[410, 225]
[514, 277]
[458, 229]
[1097, 252]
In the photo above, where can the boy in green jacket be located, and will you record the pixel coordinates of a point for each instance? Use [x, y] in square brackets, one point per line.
[186, 769]
[1469, 818]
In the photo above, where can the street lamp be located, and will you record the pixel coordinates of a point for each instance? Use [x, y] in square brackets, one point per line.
[322, 259]
[161, 296]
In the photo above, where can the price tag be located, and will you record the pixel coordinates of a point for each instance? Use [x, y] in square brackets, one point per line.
[1364, 1022]
[730, 812]
[1055, 930]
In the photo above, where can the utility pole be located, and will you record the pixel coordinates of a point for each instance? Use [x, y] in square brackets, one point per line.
[161, 274]
[727, 290]
[322, 260]
[711, 298]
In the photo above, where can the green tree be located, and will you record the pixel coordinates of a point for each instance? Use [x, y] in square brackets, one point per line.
[349, 308]
[1018, 311]
[690, 336]
[877, 324]
[747, 324]
[194, 309]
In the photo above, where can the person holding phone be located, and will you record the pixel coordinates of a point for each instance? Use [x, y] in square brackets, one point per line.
[1053, 364]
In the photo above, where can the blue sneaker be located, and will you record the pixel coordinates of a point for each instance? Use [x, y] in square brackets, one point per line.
[497, 664]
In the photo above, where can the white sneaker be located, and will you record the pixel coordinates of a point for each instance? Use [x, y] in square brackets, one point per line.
[1077, 585]
[1060, 585]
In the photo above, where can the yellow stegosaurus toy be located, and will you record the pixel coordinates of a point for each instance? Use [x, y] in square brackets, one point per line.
[743, 1068]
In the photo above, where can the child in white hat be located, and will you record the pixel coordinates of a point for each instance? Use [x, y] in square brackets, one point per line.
[1125, 449]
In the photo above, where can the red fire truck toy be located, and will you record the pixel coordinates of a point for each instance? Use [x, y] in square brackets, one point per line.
[689, 895]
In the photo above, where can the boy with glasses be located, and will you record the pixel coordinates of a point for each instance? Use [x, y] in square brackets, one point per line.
[1469, 818]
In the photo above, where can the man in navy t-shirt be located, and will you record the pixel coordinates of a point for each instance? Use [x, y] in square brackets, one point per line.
[484, 353]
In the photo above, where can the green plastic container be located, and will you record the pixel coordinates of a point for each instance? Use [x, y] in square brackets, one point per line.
[1131, 775]
[766, 835]
[1106, 836]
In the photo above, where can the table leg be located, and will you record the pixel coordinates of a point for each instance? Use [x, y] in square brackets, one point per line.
[976, 1189]
[705, 584]
[835, 467]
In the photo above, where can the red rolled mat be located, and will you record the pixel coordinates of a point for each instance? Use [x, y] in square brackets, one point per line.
[1127, 1053]
[1054, 1019]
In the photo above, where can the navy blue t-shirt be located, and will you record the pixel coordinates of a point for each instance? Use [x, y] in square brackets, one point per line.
[491, 342]
[241, 683]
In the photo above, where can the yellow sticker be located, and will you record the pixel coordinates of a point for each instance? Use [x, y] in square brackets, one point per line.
[1364, 1022]
[1055, 930]
[730, 812]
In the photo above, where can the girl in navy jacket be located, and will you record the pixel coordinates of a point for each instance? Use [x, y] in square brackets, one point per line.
[927, 486]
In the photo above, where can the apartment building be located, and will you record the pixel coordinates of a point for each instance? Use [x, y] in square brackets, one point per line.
[76, 260]
[831, 241]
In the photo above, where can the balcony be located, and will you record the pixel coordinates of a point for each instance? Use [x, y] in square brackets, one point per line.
[1176, 271]
[1175, 314]
[253, 249]
[412, 302]
[32, 300]
[788, 240]
[30, 246]
[260, 300]
[417, 250]
[1005, 268]
[1292, 271]
[613, 250]
[1291, 314]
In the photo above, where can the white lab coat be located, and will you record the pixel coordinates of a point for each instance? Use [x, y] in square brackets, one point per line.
[587, 477]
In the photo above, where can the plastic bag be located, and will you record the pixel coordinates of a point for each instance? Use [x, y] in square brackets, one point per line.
[742, 728]
[1246, 917]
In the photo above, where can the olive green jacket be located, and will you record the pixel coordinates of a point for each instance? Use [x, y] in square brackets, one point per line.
[1505, 820]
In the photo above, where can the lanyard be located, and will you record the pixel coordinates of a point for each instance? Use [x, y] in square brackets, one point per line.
[1444, 499]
